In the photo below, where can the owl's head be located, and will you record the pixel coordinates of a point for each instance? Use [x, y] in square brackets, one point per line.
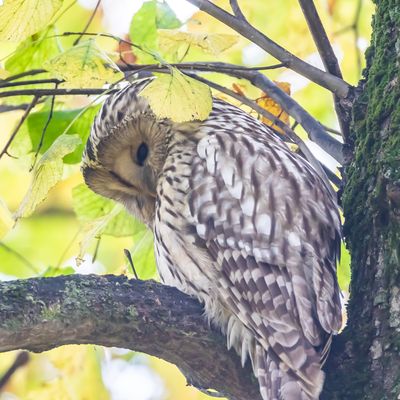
[126, 151]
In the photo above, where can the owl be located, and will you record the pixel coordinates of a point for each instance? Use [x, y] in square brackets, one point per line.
[239, 221]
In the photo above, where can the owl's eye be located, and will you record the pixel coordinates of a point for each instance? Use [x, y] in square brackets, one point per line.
[142, 153]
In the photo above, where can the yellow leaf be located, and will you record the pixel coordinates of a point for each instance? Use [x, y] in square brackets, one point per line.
[47, 173]
[20, 19]
[274, 108]
[171, 41]
[178, 97]
[6, 220]
[84, 66]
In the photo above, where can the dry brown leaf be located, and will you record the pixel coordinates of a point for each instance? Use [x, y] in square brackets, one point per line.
[274, 108]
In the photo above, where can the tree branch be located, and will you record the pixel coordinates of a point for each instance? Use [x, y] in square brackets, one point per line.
[328, 58]
[314, 129]
[322, 78]
[42, 313]
[55, 92]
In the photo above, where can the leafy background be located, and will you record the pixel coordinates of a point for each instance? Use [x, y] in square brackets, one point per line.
[65, 228]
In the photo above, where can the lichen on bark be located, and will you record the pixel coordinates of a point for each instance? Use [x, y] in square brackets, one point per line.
[366, 359]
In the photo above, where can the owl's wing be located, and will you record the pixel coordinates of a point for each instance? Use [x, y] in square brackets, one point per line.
[271, 226]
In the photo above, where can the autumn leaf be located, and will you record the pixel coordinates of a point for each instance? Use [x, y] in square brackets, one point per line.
[178, 97]
[20, 19]
[268, 104]
[84, 66]
[47, 173]
[173, 41]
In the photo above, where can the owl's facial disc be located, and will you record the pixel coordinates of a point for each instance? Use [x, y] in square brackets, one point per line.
[136, 155]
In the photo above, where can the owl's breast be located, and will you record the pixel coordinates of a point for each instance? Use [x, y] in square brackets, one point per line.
[181, 261]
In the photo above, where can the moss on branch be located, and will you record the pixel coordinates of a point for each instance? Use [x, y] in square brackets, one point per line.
[42, 313]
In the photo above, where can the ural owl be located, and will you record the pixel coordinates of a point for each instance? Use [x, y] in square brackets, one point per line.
[239, 221]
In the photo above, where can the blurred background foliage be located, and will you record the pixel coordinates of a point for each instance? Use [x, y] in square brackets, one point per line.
[73, 230]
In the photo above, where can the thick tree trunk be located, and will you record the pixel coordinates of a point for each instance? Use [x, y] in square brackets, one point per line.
[365, 363]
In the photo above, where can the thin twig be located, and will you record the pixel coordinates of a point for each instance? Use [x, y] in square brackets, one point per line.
[20, 360]
[25, 73]
[23, 118]
[328, 57]
[19, 256]
[331, 130]
[87, 24]
[314, 129]
[53, 98]
[7, 108]
[202, 66]
[51, 92]
[29, 82]
[322, 78]
[236, 10]
[354, 26]
[320, 37]
[107, 35]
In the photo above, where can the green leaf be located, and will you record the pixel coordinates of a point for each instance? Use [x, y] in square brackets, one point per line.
[33, 52]
[178, 97]
[47, 173]
[59, 124]
[166, 18]
[143, 29]
[84, 66]
[91, 207]
[20, 19]
[143, 255]
[151, 16]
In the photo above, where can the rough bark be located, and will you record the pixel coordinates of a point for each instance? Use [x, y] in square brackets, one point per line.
[365, 363]
[42, 313]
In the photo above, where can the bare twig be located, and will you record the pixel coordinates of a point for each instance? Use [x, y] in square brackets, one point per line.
[53, 98]
[7, 108]
[19, 256]
[202, 66]
[88, 23]
[322, 78]
[314, 129]
[320, 37]
[16, 129]
[25, 73]
[29, 82]
[56, 92]
[21, 360]
[355, 28]
[328, 57]
[236, 10]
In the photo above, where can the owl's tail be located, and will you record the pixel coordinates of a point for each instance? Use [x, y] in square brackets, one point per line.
[278, 382]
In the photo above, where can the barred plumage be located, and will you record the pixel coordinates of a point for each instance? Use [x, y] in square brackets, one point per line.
[239, 221]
